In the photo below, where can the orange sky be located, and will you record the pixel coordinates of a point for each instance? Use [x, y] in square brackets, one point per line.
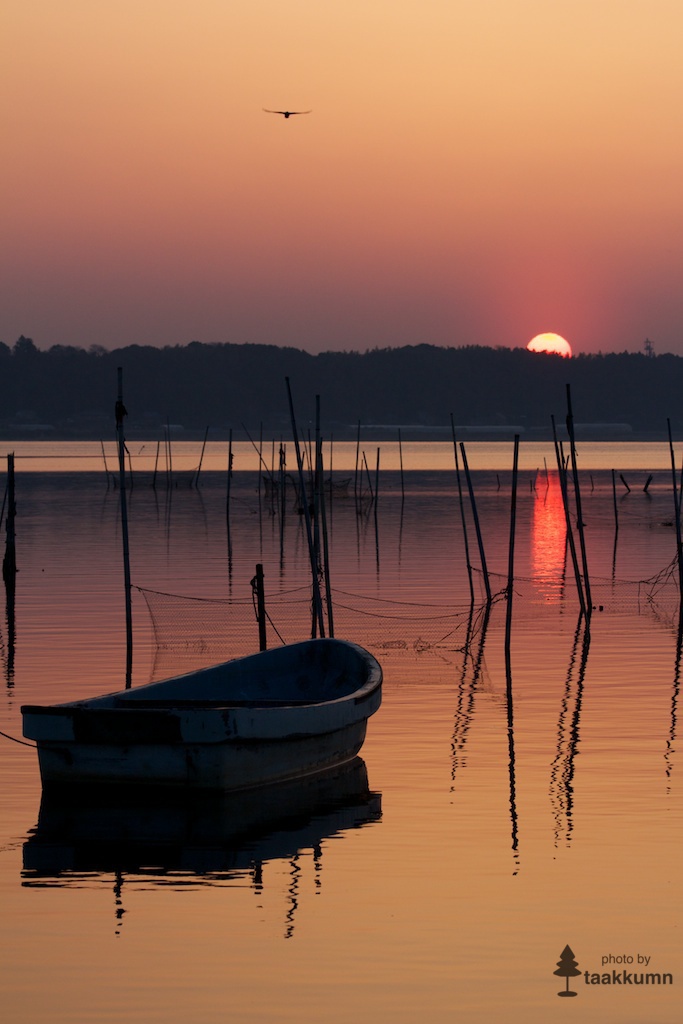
[470, 174]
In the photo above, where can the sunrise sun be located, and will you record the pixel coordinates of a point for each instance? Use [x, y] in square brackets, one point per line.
[554, 343]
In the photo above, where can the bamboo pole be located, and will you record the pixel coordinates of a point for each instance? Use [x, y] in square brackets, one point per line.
[356, 472]
[317, 601]
[261, 463]
[201, 458]
[377, 482]
[677, 510]
[511, 553]
[9, 562]
[156, 463]
[282, 501]
[9, 569]
[331, 454]
[561, 469]
[104, 458]
[463, 518]
[260, 487]
[326, 549]
[376, 510]
[477, 528]
[400, 459]
[508, 659]
[579, 512]
[316, 484]
[257, 584]
[227, 498]
[120, 412]
[367, 473]
[614, 502]
[170, 457]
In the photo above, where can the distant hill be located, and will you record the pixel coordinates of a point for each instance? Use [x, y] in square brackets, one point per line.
[491, 392]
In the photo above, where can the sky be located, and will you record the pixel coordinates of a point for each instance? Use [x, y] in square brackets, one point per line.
[472, 173]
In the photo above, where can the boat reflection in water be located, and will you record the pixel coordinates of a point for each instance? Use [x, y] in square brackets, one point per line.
[214, 837]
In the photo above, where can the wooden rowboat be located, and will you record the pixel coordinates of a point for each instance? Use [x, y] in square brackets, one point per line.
[280, 714]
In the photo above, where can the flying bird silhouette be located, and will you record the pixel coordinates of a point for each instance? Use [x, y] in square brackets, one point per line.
[286, 113]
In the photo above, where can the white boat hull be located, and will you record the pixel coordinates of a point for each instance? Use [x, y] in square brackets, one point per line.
[227, 765]
[279, 715]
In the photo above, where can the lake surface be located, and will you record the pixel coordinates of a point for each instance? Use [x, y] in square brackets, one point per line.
[494, 818]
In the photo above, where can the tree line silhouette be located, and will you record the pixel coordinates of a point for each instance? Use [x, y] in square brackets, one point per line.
[70, 391]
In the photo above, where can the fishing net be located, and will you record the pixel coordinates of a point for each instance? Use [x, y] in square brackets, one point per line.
[190, 632]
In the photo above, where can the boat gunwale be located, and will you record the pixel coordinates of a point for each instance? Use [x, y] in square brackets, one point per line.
[127, 701]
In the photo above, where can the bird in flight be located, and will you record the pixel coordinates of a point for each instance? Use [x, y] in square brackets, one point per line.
[286, 113]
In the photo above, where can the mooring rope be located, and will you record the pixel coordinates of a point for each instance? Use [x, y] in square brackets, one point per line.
[15, 740]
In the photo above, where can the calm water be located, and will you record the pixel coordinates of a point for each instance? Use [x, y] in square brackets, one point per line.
[441, 877]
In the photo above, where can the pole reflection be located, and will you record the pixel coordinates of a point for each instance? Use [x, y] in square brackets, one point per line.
[467, 689]
[675, 695]
[84, 837]
[562, 768]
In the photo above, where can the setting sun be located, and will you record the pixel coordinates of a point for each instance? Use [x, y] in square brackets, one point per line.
[554, 343]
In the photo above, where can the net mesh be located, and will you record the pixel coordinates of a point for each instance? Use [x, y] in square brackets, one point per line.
[190, 632]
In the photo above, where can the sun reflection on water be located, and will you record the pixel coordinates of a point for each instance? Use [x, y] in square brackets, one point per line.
[548, 538]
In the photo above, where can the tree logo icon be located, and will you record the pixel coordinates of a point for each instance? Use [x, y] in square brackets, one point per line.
[566, 968]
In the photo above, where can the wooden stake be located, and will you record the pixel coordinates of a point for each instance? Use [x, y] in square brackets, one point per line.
[400, 459]
[562, 471]
[376, 482]
[227, 498]
[511, 552]
[355, 477]
[9, 570]
[9, 562]
[367, 473]
[317, 601]
[201, 459]
[170, 459]
[480, 542]
[156, 463]
[120, 411]
[106, 467]
[463, 518]
[257, 584]
[326, 550]
[577, 493]
[677, 511]
[377, 509]
[508, 658]
[317, 484]
[282, 484]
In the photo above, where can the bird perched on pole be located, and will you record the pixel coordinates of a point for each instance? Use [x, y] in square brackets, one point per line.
[286, 113]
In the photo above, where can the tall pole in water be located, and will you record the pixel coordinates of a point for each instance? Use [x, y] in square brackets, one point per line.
[258, 585]
[579, 513]
[9, 562]
[9, 568]
[677, 512]
[318, 622]
[477, 528]
[120, 412]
